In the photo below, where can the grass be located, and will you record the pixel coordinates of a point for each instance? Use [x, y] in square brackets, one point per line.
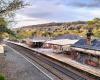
[2, 77]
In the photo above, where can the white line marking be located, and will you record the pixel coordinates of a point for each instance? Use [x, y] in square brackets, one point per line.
[30, 62]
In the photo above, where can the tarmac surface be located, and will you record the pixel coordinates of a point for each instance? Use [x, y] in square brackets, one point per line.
[18, 68]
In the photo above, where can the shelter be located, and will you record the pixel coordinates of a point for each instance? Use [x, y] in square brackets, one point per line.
[59, 45]
[37, 42]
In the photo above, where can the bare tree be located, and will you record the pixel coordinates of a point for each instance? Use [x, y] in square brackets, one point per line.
[8, 6]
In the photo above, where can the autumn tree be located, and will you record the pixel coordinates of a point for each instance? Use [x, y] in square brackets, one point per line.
[8, 7]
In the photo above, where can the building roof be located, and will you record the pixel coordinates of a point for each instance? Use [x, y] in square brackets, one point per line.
[62, 42]
[95, 45]
[68, 36]
[40, 39]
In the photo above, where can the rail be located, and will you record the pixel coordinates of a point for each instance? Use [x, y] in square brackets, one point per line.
[37, 56]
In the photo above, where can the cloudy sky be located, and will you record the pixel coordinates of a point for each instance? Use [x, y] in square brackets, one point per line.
[45, 11]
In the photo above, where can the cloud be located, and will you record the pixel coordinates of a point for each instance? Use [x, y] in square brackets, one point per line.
[86, 3]
[43, 8]
[23, 20]
[42, 11]
[54, 10]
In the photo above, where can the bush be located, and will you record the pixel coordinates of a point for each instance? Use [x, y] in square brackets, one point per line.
[2, 77]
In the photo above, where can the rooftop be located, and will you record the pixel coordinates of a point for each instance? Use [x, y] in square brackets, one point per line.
[62, 42]
[95, 44]
[39, 39]
[68, 36]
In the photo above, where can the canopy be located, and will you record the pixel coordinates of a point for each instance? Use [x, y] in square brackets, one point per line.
[93, 52]
[62, 42]
[40, 39]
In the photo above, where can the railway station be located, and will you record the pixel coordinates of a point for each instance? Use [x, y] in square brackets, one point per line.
[49, 40]
[66, 57]
[83, 59]
[82, 54]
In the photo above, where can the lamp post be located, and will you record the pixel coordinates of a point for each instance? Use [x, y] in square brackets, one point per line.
[89, 35]
[89, 39]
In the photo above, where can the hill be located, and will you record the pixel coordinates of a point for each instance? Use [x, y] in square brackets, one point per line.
[56, 29]
[53, 26]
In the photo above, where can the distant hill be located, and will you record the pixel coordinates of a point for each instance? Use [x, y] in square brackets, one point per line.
[53, 26]
[55, 29]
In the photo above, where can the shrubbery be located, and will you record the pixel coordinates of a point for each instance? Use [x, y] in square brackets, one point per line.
[2, 77]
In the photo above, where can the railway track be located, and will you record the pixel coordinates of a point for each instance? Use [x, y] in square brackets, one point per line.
[59, 71]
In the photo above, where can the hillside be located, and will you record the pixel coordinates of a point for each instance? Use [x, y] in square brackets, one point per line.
[56, 29]
[53, 26]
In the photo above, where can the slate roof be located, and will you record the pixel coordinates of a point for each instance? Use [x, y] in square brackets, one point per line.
[83, 44]
[68, 36]
[40, 39]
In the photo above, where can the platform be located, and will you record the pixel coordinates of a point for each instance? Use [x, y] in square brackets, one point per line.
[64, 59]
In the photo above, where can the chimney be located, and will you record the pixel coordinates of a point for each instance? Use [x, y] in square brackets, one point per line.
[89, 36]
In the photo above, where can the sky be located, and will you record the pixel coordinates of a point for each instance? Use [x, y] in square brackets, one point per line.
[46, 11]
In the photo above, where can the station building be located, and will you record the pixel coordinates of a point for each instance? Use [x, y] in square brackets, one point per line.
[36, 42]
[87, 54]
[61, 44]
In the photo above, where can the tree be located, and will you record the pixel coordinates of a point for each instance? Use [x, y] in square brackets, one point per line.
[46, 34]
[4, 29]
[2, 77]
[96, 19]
[90, 24]
[97, 33]
[8, 7]
[97, 23]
